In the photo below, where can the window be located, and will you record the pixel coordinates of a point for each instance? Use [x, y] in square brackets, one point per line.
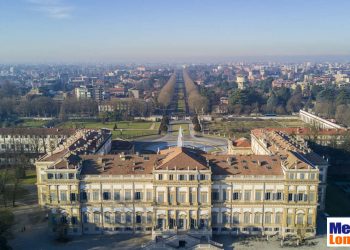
[202, 177]
[138, 219]
[149, 195]
[128, 218]
[302, 176]
[149, 217]
[73, 196]
[225, 218]
[246, 217]
[290, 197]
[117, 217]
[225, 195]
[182, 197]
[236, 196]
[127, 195]
[138, 195]
[258, 195]
[289, 220]
[203, 197]
[192, 196]
[215, 195]
[95, 195]
[268, 218]
[63, 196]
[160, 177]
[106, 195]
[312, 196]
[267, 196]
[192, 176]
[160, 197]
[278, 196]
[312, 176]
[291, 176]
[116, 195]
[300, 196]
[70, 176]
[257, 218]
[309, 219]
[235, 218]
[107, 218]
[171, 198]
[182, 177]
[171, 177]
[278, 218]
[53, 196]
[96, 218]
[300, 219]
[50, 176]
[247, 195]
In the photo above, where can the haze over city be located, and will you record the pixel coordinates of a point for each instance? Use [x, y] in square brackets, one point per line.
[39, 31]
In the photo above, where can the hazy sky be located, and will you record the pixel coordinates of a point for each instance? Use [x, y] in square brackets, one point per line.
[170, 30]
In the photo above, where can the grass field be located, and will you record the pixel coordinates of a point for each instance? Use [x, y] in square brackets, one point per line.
[29, 179]
[32, 123]
[185, 129]
[242, 128]
[120, 125]
[124, 130]
[130, 134]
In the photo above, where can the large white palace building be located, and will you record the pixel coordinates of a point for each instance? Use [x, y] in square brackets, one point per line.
[273, 190]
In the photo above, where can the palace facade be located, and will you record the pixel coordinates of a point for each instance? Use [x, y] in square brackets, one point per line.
[177, 190]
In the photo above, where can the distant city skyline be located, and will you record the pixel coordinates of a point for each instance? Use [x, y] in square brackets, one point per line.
[40, 31]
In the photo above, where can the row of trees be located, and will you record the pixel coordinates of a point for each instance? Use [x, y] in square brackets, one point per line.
[126, 109]
[165, 96]
[334, 103]
[255, 100]
[196, 101]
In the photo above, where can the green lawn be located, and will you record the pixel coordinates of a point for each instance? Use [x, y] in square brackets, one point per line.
[130, 134]
[110, 125]
[32, 123]
[29, 179]
[185, 129]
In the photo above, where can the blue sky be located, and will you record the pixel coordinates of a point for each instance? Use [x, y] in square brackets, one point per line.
[171, 30]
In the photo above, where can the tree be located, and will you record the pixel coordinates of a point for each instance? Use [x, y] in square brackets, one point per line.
[115, 126]
[197, 127]
[166, 94]
[272, 103]
[62, 116]
[6, 222]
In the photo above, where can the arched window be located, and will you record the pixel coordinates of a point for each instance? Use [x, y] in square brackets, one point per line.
[246, 217]
[300, 219]
[149, 217]
[268, 218]
[235, 218]
[96, 217]
[128, 217]
[257, 218]
[278, 218]
[118, 217]
[107, 217]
